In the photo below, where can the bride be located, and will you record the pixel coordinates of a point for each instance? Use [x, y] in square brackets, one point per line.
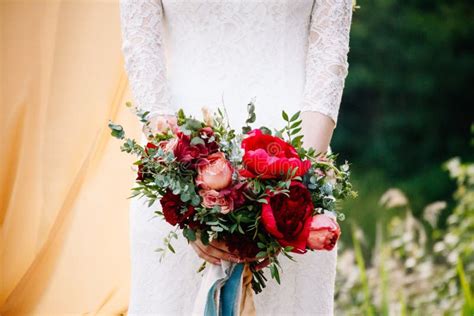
[287, 54]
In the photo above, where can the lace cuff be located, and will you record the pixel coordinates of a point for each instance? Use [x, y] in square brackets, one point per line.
[142, 47]
[326, 60]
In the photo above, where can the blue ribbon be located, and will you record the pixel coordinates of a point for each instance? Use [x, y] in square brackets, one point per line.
[226, 291]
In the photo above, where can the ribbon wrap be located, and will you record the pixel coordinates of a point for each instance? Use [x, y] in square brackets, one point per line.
[226, 290]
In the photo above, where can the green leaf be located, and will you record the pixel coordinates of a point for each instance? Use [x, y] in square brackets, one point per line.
[362, 271]
[217, 228]
[181, 117]
[117, 130]
[265, 130]
[189, 234]
[185, 197]
[275, 273]
[295, 131]
[466, 288]
[295, 116]
[193, 124]
[171, 248]
[284, 115]
[246, 129]
[196, 200]
[296, 142]
[296, 124]
[197, 141]
[202, 267]
[251, 107]
[261, 254]
[205, 238]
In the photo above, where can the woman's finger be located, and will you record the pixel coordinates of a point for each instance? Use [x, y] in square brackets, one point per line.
[262, 264]
[218, 253]
[219, 245]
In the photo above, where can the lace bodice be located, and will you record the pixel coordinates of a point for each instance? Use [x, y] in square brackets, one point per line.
[288, 54]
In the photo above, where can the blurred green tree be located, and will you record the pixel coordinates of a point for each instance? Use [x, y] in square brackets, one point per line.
[407, 103]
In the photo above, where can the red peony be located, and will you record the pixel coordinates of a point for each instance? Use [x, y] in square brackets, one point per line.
[324, 233]
[174, 210]
[288, 218]
[270, 157]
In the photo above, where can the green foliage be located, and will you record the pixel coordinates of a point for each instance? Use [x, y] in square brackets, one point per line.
[117, 130]
[419, 268]
[407, 103]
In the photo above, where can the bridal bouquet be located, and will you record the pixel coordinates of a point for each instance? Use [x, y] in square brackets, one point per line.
[259, 191]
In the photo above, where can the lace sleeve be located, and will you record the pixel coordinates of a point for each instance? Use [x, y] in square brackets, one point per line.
[326, 61]
[142, 46]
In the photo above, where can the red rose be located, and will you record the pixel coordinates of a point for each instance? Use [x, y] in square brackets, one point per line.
[324, 233]
[174, 210]
[288, 218]
[270, 157]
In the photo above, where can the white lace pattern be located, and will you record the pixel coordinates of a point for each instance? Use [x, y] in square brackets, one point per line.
[326, 62]
[142, 46]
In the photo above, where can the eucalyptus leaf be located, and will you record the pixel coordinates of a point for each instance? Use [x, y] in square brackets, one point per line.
[197, 141]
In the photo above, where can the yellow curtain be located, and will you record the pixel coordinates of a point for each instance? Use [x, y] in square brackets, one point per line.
[63, 181]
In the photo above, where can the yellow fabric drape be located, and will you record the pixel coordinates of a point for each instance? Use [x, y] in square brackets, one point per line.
[63, 181]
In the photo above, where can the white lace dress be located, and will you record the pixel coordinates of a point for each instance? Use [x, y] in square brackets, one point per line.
[290, 55]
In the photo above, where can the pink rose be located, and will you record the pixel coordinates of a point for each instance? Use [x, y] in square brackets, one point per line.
[324, 233]
[211, 198]
[214, 172]
[228, 199]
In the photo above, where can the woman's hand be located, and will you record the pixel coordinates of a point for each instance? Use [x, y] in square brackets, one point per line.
[160, 124]
[214, 252]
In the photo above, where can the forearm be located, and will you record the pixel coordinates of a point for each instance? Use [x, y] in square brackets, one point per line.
[317, 130]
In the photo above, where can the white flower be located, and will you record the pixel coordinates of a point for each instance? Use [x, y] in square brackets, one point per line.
[432, 211]
[393, 198]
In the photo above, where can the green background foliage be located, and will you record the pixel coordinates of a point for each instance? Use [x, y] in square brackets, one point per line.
[408, 100]
[407, 109]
